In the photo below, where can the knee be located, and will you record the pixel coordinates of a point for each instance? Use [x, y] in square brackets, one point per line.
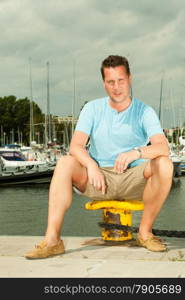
[164, 165]
[66, 161]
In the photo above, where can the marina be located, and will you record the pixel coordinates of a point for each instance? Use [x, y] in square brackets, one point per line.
[25, 164]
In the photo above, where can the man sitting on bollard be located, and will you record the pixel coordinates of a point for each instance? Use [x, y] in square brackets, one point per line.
[118, 165]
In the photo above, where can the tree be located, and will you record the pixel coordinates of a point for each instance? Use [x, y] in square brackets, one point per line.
[15, 114]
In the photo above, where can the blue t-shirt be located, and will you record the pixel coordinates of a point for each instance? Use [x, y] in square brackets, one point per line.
[112, 132]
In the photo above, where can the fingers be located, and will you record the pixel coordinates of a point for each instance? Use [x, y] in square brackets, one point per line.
[96, 178]
[99, 184]
[121, 165]
[126, 165]
[103, 187]
[91, 180]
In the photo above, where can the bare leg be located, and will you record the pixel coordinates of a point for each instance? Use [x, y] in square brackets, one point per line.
[67, 171]
[159, 173]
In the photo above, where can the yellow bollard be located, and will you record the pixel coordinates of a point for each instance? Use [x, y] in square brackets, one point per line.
[116, 212]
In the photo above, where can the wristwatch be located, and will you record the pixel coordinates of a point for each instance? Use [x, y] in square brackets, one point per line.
[138, 150]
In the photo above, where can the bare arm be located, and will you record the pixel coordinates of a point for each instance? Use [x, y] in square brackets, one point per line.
[158, 147]
[78, 150]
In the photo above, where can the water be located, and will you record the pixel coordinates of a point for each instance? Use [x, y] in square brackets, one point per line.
[23, 211]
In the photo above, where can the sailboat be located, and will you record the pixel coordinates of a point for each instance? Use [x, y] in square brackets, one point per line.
[173, 156]
[16, 168]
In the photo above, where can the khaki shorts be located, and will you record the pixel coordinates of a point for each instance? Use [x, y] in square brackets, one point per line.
[124, 186]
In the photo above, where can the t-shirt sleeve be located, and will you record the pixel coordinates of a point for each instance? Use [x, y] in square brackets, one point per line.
[85, 120]
[151, 123]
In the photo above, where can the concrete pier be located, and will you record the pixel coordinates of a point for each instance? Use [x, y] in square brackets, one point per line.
[91, 257]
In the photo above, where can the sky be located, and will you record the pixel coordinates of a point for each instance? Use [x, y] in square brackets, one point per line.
[76, 36]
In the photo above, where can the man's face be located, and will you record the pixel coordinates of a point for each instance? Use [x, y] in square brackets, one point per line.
[117, 83]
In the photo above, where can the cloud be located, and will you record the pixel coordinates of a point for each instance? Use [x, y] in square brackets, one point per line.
[83, 33]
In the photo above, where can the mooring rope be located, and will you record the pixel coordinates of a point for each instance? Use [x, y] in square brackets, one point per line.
[168, 233]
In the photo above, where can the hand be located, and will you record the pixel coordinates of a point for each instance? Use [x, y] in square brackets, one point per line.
[124, 159]
[96, 178]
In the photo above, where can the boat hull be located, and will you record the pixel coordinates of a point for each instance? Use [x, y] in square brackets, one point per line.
[26, 178]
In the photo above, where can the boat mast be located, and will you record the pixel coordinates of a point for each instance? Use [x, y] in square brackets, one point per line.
[31, 105]
[48, 104]
[18, 131]
[1, 135]
[161, 94]
[74, 98]
[45, 130]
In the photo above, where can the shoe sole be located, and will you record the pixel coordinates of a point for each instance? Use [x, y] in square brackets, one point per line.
[50, 256]
[140, 245]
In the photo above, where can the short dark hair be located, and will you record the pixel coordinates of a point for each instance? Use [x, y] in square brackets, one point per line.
[113, 61]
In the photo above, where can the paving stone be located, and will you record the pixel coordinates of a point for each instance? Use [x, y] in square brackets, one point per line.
[91, 257]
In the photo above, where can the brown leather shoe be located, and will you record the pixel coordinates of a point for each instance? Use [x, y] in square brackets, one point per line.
[43, 251]
[152, 243]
